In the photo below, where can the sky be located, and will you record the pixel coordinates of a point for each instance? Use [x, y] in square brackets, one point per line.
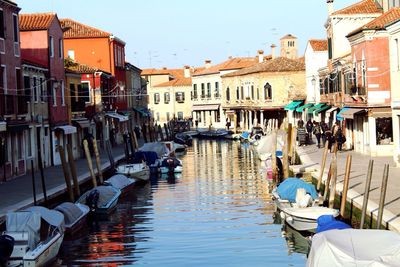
[174, 33]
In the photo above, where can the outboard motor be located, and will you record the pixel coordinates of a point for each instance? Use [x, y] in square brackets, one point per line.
[171, 165]
[6, 248]
[92, 199]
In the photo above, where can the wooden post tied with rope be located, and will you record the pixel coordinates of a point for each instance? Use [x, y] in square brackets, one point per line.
[366, 192]
[285, 162]
[89, 162]
[98, 161]
[345, 186]
[74, 174]
[321, 173]
[66, 173]
[382, 196]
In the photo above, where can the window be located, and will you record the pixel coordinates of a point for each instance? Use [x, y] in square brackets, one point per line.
[35, 89]
[364, 74]
[51, 46]
[237, 93]
[71, 54]
[384, 131]
[242, 92]
[180, 115]
[4, 77]
[329, 48]
[396, 50]
[54, 95]
[156, 98]
[28, 90]
[60, 48]
[252, 92]
[63, 94]
[203, 92]
[43, 91]
[195, 91]
[267, 91]
[167, 116]
[166, 98]
[209, 90]
[28, 142]
[258, 93]
[16, 27]
[217, 89]
[228, 94]
[85, 91]
[2, 29]
[180, 97]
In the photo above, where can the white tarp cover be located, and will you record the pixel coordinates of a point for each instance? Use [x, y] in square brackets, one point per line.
[71, 212]
[160, 148]
[25, 221]
[354, 247]
[106, 195]
[265, 144]
[52, 217]
[119, 181]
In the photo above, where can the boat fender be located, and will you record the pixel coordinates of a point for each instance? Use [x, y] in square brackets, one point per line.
[289, 219]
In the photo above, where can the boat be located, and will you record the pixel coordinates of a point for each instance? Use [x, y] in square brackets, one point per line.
[150, 157]
[354, 247]
[192, 133]
[213, 134]
[38, 233]
[244, 137]
[121, 182]
[138, 171]
[329, 222]
[75, 215]
[183, 139]
[171, 165]
[232, 136]
[174, 148]
[265, 145]
[158, 147]
[102, 199]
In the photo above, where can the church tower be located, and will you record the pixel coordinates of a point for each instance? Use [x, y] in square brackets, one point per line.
[289, 46]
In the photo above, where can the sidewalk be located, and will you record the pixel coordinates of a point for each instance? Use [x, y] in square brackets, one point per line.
[18, 193]
[311, 158]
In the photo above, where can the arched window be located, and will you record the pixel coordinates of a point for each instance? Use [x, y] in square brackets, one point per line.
[237, 93]
[267, 91]
[228, 94]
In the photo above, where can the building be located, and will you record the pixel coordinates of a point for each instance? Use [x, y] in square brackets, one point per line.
[289, 46]
[42, 43]
[14, 121]
[258, 93]
[207, 90]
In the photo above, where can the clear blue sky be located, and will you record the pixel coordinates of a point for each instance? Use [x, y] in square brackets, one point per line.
[174, 33]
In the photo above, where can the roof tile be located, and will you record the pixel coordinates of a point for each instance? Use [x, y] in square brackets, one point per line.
[35, 21]
[74, 29]
[230, 64]
[319, 45]
[363, 7]
[176, 82]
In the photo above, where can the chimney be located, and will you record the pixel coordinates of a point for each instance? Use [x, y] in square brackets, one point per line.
[260, 56]
[207, 63]
[164, 68]
[186, 71]
[330, 6]
[273, 51]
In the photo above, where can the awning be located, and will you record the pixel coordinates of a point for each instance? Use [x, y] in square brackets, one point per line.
[117, 116]
[82, 123]
[302, 108]
[323, 108]
[205, 107]
[316, 107]
[67, 129]
[3, 126]
[348, 113]
[17, 127]
[381, 112]
[331, 110]
[293, 105]
[143, 111]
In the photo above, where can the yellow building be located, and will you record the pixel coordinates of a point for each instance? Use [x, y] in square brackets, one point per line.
[253, 95]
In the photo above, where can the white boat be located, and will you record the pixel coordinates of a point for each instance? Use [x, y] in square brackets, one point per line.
[138, 171]
[101, 199]
[355, 247]
[171, 165]
[121, 182]
[305, 219]
[30, 249]
[74, 217]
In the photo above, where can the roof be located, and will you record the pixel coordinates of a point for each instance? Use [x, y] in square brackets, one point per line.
[319, 45]
[36, 21]
[280, 64]
[289, 36]
[230, 64]
[74, 29]
[176, 82]
[380, 22]
[177, 73]
[362, 7]
[75, 67]
[33, 64]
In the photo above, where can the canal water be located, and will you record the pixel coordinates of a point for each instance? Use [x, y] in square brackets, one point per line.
[217, 213]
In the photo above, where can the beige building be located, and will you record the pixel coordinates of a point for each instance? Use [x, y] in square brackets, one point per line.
[253, 95]
[289, 46]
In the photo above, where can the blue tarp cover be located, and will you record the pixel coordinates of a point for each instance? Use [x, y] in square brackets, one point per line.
[288, 189]
[149, 157]
[245, 135]
[328, 222]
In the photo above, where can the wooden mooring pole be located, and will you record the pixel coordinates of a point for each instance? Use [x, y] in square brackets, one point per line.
[72, 167]
[321, 173]
[383, 196]
[366, 192]
[33, 183]
[293, 147]
[98, 161]
[42, 179]
[285, 162]
[66, 173]
[89, 162]
[345, 186]
[332, 191]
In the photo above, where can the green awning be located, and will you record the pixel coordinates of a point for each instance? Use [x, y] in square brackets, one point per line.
[143, 111]
[316, 107]
[302, 108]
[323, 108]
[293, 105]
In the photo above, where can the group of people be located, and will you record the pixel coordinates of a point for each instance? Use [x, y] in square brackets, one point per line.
[322, 132]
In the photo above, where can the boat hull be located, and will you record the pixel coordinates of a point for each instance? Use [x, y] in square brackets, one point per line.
[139, 172]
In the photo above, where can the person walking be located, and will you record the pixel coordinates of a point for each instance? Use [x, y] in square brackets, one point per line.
[340, 139]
[317, 132]
[324, 129]
[309, 128]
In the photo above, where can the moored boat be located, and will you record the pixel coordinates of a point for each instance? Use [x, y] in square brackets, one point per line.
[30, 247]
[171, 165]
[183, 139]
[213, 134]
[75, 215]
[138, 171]
[102, 199]
[121, 182]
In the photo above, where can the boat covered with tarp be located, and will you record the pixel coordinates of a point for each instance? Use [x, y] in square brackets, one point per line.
[160, 148]
[121, 182]
[101, 199]
[288, 189]
[355, 247]
[329, 222]
[74, 216]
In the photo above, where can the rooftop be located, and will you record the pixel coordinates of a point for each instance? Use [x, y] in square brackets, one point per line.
[362, 7]
[36, 21]
[230, 64]
[319, 45]
[176, 82]
[74, 29]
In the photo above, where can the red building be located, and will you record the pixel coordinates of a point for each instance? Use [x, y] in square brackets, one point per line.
[42, 43]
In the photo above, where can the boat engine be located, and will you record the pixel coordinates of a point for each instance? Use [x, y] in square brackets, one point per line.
[92, 199]
[171, 165]
[6, 248]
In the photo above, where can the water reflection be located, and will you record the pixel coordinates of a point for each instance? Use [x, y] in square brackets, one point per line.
[217, 212]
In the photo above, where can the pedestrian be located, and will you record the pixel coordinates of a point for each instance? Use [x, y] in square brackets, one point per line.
[324, 128]
[340, 139]
[317, 132]
[300, 123]
[309, 128]
[196, 123]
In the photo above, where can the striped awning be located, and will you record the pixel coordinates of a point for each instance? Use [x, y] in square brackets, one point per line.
[302, 108]
[314, 108]
[205, 107]
[293, 105]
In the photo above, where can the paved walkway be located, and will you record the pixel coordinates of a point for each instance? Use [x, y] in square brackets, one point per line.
[311, 158]
[18, 193]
